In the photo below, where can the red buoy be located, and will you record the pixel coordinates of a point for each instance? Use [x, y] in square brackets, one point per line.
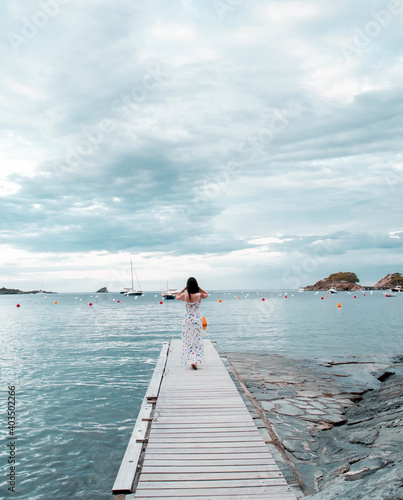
[90, 304]
[118, 300]
[161, 302]
[322, 298]
[355, 296]
[18, 305]
[263, 300]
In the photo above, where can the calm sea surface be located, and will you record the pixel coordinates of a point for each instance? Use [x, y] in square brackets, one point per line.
[81, 371]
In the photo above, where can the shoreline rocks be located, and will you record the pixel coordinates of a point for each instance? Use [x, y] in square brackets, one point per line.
[346, 281]
[16, 291]
[335, 429]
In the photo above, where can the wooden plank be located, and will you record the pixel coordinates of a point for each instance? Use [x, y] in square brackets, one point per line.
[220, 495]
[155, 383]
[187, 468]
[208, 425]
[207, 431]
[197, 445]
[236, 475]
[266, 492]
[125, 477]
[179, 484]
[207, 439]
[221, 462]
[128, 467]
[184, 455]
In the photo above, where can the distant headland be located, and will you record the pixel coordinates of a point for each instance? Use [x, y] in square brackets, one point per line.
[348, 281]
[16, 291]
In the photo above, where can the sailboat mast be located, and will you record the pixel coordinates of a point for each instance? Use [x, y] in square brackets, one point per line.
[138, 282]
[131, 265]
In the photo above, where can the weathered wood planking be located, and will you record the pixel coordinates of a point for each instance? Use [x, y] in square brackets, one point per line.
[203, 443]
[155, 383]
[128, 468]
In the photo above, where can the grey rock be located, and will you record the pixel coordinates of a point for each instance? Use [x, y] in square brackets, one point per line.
[288, 409]
[310, 394]
[293, 445]
[267, 405]
[334, 419]
[303, 456]
[365, 437]
[268, 397]
[272, 387]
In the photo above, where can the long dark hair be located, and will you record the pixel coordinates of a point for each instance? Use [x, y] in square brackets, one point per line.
[192, 286]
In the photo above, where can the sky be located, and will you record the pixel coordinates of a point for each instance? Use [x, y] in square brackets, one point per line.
[251, 144]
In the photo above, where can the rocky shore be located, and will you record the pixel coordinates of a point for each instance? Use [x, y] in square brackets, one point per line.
[16, 291]
[348, 281]
[334, 428]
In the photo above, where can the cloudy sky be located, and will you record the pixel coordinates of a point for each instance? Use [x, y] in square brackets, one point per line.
[253, 144]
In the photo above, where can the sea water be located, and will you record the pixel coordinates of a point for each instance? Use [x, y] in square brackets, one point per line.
[80, 372]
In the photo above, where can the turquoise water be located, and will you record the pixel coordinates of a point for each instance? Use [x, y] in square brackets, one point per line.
[81, 371]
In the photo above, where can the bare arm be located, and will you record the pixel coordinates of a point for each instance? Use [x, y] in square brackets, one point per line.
[181, 295]
[203, 293]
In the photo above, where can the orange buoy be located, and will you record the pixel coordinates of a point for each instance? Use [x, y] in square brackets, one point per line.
[339, 305]
[220, 300]
[239, 298]
[204, 321]
[327, 295]
[55, 302]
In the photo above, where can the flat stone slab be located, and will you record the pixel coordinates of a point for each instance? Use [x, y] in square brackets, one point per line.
[289, 409]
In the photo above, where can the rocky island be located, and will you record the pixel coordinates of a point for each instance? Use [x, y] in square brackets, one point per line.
[342, 281]
[392, 280]
[348, 281]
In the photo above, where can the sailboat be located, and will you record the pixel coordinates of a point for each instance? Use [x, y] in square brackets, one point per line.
[170, 293]
[131, 291]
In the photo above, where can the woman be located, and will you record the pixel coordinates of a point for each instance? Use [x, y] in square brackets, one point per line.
[192, 340]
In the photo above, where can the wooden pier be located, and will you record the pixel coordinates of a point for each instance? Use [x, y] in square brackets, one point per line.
[195, 439]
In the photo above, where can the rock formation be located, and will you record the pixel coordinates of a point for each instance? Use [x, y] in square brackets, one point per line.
[390, 281]
[103, 290]
[342, 281]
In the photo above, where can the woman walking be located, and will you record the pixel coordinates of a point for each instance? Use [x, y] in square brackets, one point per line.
[192, 340]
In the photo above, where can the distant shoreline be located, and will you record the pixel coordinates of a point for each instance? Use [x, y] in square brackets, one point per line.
[16, 291]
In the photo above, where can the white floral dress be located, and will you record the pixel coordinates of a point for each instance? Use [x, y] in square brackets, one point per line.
[192, 337]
